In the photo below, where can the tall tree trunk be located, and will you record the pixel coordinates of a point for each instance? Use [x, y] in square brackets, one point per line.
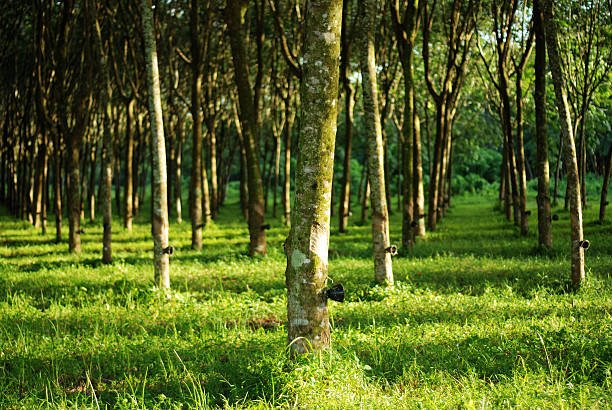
[250, 127]
[383, 271]
[543, 199]
[107, 152]
[289, 118]
[557, 171]
[91, 196]
[408, 155]
[195, 192]
[178, 192]
[418, 191]
[41, 159]
[57, 186]
[206, 214]
[432, 212]
[160, 226]
[277, 156]
[214, 179]
[573, 182]
[128, 211]
[520, 160]
[308, 241]
[604, 188]
[345, 187]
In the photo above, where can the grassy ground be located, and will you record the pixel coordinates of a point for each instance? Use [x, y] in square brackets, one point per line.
[479, 318]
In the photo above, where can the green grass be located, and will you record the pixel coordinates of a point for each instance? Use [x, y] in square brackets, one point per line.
[479, 318]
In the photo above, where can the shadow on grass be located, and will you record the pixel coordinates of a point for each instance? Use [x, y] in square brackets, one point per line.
[225, 371]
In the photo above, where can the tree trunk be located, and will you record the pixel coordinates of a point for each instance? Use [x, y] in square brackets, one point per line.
[178, 182]
[214, 179]
[206, 214]
[160, 226]
[432, 211]
[520, 149]
[57, 186]
[307, 245]
[41, 159]
[604, 188]
[107, 152]
[408, 154]
[128, 210]
[573, 182]
[277, 156]
[250, 127]
[383, 272]
[289, 118]
[345, 187]
[195, 192]
[557, 171]
[418, 191]
[543, 199]
[91, 196]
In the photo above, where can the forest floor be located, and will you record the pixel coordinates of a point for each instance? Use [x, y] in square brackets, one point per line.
[478, 318]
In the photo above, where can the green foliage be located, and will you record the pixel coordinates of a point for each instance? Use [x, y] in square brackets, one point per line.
[478, 318]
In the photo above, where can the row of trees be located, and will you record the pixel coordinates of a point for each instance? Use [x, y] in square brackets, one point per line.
[108, 96]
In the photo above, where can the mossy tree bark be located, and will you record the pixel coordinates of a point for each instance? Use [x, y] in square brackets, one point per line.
[107, 150]
[158, 152]
[289, 118]
[519, 69]
[128, 200]
[383, 272]
[603, 202]
[543, 172]
[417, 186]
[234, 14]
[405, 33]
[195, 197]
[344, 206]
[308, 241]
[571, 163]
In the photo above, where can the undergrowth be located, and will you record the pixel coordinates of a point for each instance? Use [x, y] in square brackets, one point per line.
[479, 318]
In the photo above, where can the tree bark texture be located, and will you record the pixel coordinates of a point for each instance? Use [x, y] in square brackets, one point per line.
[307, 245]
[250, 128]
[383, 271]
[417, 186]
[603, 202]
[158, 152]
[543, 198]
[195, 197]
[571, 163]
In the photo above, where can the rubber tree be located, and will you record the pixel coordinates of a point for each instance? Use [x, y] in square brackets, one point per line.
[307, 244]
[406, 24]
[383, 271]
[571, 162]
[234, 15]
[160, 228]
[344, 206]
[543, 173]
[195, 197]
[107, 148]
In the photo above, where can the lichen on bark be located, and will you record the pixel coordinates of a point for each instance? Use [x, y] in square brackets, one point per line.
[308, 241]
[383, 272]
[160, 228]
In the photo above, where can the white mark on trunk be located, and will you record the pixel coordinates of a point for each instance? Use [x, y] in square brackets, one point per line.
[298, 259]
[259, 248]
[329, 37]
[299, 322]
[319, 241]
